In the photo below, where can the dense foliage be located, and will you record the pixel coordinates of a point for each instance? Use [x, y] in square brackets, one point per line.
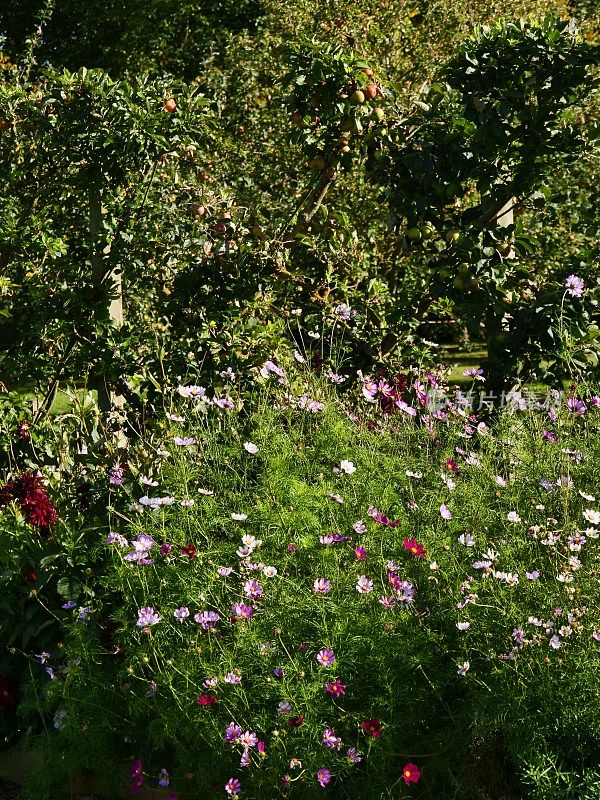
[213, 220]
[252, 542]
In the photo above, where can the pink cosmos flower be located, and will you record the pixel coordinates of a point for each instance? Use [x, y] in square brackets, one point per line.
[321, 586]
[323, 777]
[242, 611]
[147, 616]
[445, 512]
[253, 590]
[331, 740]
[233, 787]
[325, 657]
[576, 405]
[364, 585]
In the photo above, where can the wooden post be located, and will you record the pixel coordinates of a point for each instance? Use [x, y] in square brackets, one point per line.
[107, 399]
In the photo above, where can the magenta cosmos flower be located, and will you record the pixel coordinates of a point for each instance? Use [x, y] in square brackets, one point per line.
[414, 548]
[410, 773]
[336, 688]
[326, 657]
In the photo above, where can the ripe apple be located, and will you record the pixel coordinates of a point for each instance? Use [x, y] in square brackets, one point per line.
[169, 104]
[198, 210]
[370, 91]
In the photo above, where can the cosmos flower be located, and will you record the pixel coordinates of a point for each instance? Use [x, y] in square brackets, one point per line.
[330, 739]
[414, 548]
[163, 778]
[242, 611]
[251, 448]
[445, 512]
[232, 733]
[323, 777]
[147, 616]
[206, 700]
[325, 657]
[410, 773]
[184, 441]
[321, 586]
[372, 727]
[364, 585]
[233, 787]
[335, 689]
[575, 286]
[207, 619]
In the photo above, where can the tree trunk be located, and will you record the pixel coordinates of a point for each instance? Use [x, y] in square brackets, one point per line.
[107, 398]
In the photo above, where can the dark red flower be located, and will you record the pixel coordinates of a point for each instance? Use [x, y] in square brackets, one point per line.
[372, 727]
[296, 722]
[189, 550]
[30, 576]
[29, 492]
[206, 700]
[316, 362]
[452, 466]
[23, 428]
[9, 694]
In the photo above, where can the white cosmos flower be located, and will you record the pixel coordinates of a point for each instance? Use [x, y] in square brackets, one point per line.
[592, 516]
